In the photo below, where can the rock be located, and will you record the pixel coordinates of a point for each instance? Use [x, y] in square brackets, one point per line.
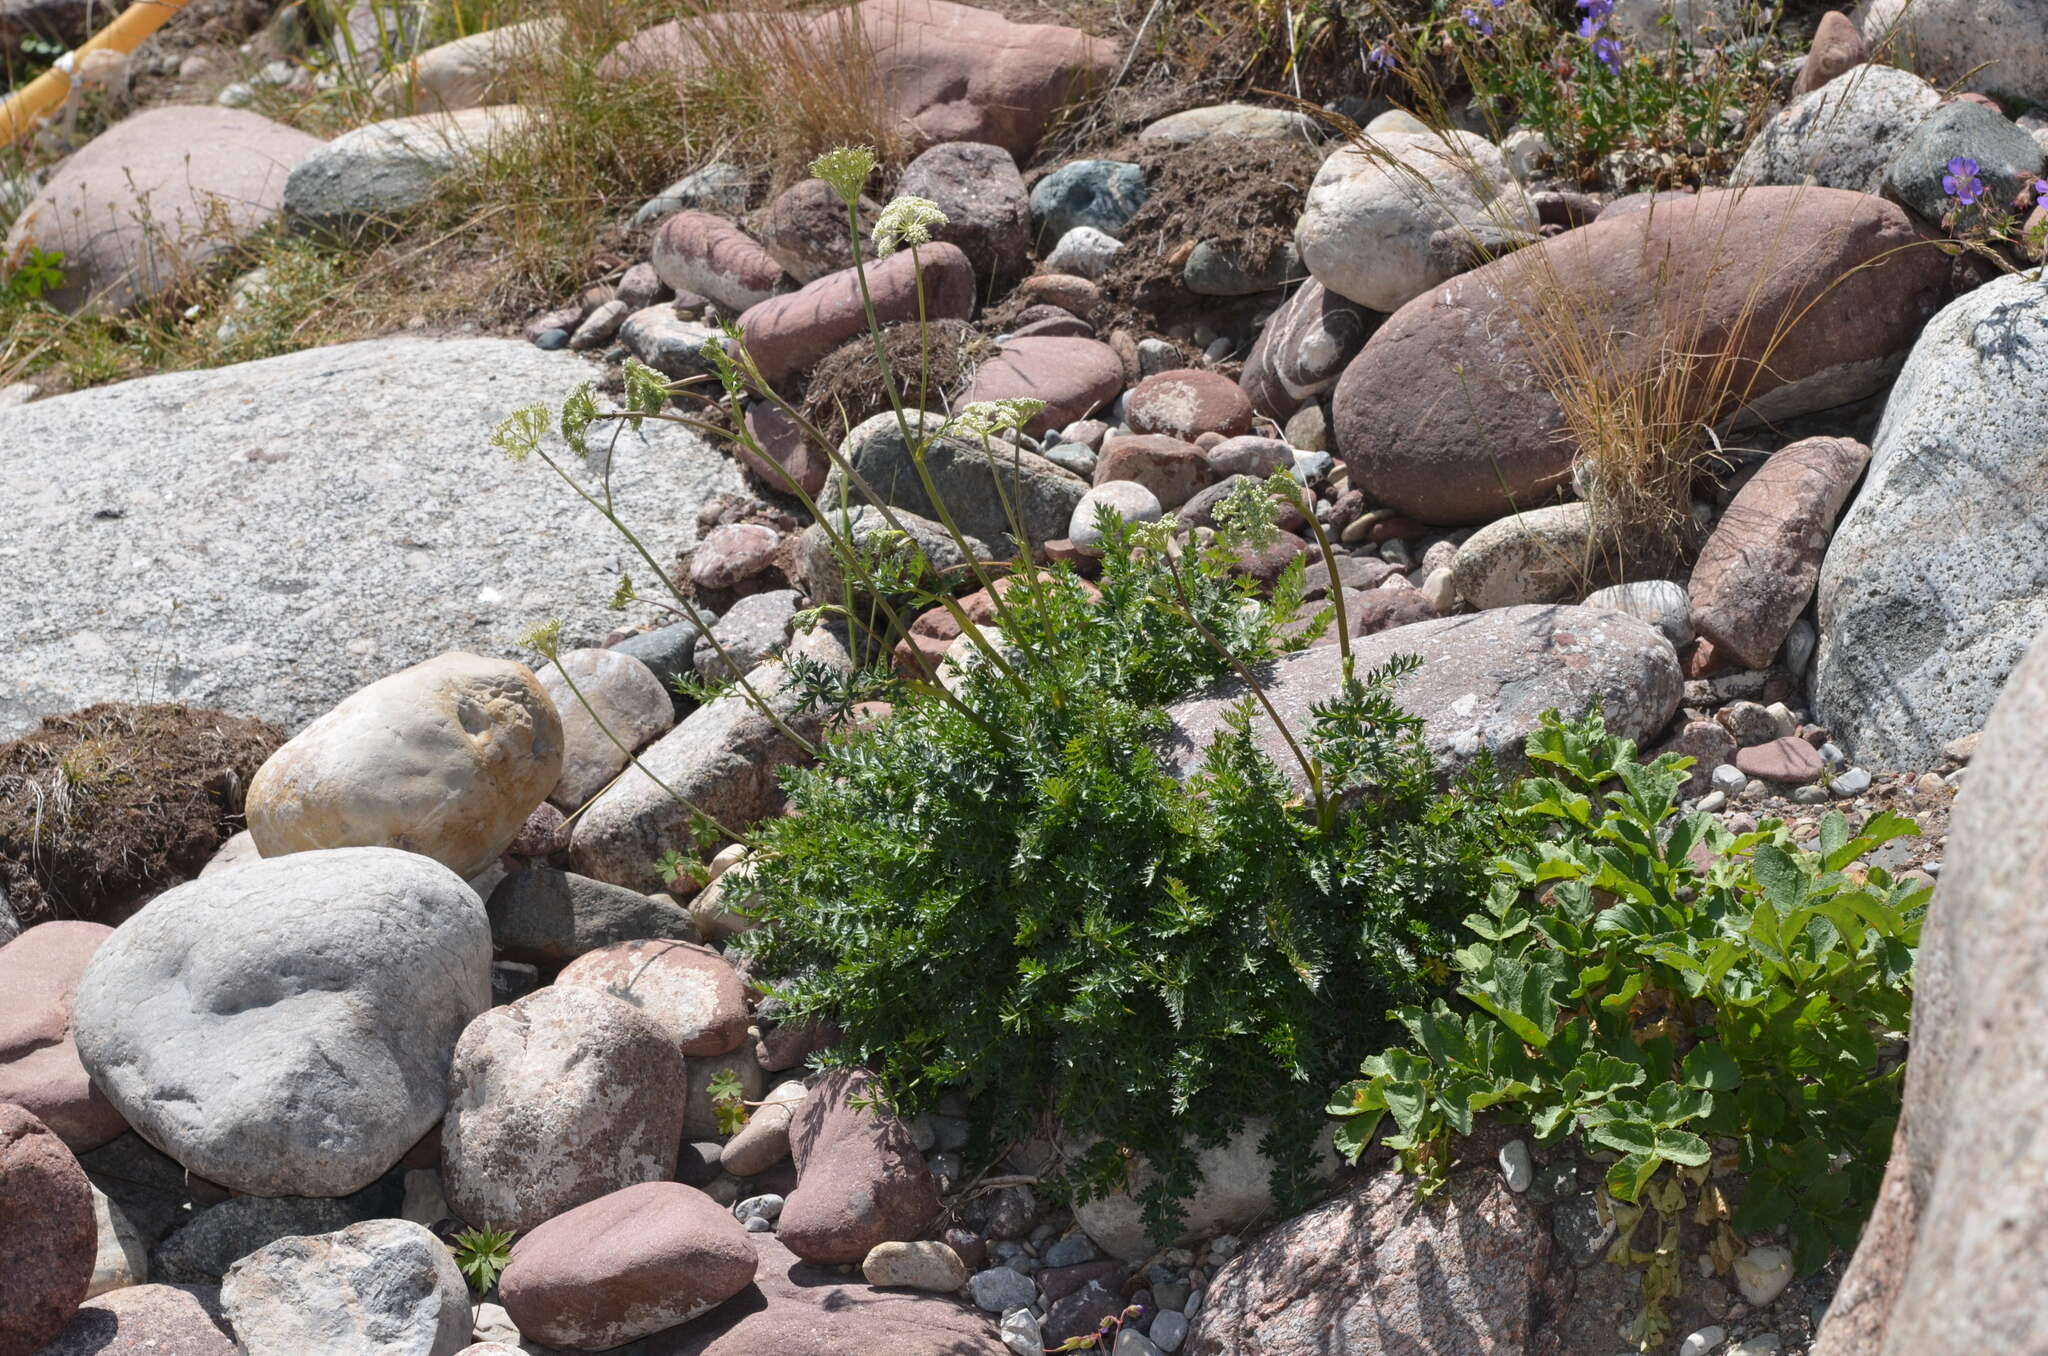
[285, 1029]
[754, 628]
[806, 231]
[1836, 48]
[1173, 470]
[1788, 761]
[818, 561]
[200, 1252]
[1002, 1290]
[1083, 252]
[1464, 1271]
[1081, 1313]
[719, 188]
[47, 1250]
[482, 68]
[1709, 744]
[1104, 194]
[1365, 229]
[1952, 1204]
[1990, 48]
[1833, 314]
[1073, 376]
[1547, 555]
[722, 757]
[600, 326]
[39, 1068]
[385, 1285]
[615, 697]
[624, 1266]
[1250, 456]
[787, 334]
[1659, 602]
[136, 213]
[550, 917]
[147, 1320]
[1128, 499]
[690, 990]
[400, 497]
[1484, 681]
[2008, 160]
[1303, 349]
[1233, 1189]
[971, 479]
[1369, 611]
[1022, 1333]
[386, 169]
[562, 1097]
[446, 759]
[988, 212]
[121, 1258]
[1218, 270]
[764, 1140]
[1169, 1330]
[706, 254]
[1759, 566]
[1187, 403]
[860, 1179]
[1929, 593]
[786, 454]
[1841, 135]
[914, 1266]
[1763, 1273]
[732, 555]
[1191, 125]
[669, 344]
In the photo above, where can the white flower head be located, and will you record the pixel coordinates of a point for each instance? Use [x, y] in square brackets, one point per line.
[846, 170]
[987, 418]
[906, 221]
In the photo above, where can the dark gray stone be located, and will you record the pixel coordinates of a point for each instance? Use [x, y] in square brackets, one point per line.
[2008, 160]
[550, 917]
[1104, 194]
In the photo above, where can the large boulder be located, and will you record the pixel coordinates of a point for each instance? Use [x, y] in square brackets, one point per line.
[319, 519]
[154, 198]
[1932, 587]
[1485, 680]
[380, 172]
[946, 72]
[446, 759]
[1952, 1257]
[800, 1309]
[1804, 297]
[285, 1028]
[49, 1242]
[1841, 135]
[860, 1178]
[692, 991]
[39, 1068]
[385, 1285]
[1365, 229]
[483, 68]
[787, 334]
[606, 699]
[626, 1265]
[558, 1099]
[147, 1320]
[980, 484]
[1988, 46]
[1378, 1269]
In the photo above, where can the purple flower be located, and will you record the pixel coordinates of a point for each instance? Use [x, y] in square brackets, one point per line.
[1496, 3]
[1379, 58]
[2040, 191]
[1609, 53]
[1472, 20]
[1961, 181]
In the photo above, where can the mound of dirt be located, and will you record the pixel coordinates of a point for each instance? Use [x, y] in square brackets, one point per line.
[104, 808]
[846, 385]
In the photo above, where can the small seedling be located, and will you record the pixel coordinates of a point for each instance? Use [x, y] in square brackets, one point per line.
[482, 1254]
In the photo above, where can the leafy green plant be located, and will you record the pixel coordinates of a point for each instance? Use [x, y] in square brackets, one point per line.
[1652, 984]
[728, 1102]
[38, 272]
[482, 1254]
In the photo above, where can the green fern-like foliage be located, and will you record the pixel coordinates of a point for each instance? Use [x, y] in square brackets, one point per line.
[1023, 897]
[482, 1254]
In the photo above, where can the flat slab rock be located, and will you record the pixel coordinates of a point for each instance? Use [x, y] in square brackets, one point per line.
[271, 536]
[1485, 680]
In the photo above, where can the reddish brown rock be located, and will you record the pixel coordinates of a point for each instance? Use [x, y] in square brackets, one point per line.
[1790, 761]
[988, 214]
[1709, 744]
[1064, 290]
[861, 1180]
[1171, 469]
[147, 1320]
[691, 990]
[1837, 47]
[1443, 417]
[1303, 349]
[39, 1068]
[1188, 402]
[806, 230]
[1759, 567]
[624, 1266]
[785, 454]
[732, 553]
[787, 334]
[1464, 1271]
[699, 252]
[47, 1236]
[1073, 376]
[1265, 564]
[1369, 611]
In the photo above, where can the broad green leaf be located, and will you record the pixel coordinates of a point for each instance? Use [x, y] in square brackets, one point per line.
[1680, 1146]
[1627, 1176]
[1709, 1065]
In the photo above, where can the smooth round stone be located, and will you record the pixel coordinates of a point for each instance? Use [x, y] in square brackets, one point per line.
[48, 1241]
[1660, 602]
[612, 691]
[691, 990]
[1126, 498]
[915, 1266]
[39, 1068]
[1788, 761]
[1104, 194]
[551, 339]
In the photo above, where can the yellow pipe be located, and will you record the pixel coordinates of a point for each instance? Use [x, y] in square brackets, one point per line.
[42, 96]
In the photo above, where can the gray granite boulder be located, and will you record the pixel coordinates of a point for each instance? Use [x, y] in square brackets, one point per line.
[385, 1285]
[973, 480]
[1990, 46]
[1933, 585]
[285, 1029]
[2008, 160]
[386, 169]
[1842, 135]
[318, 519]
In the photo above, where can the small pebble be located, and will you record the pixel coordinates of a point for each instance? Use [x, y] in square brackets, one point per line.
[1831, 754]
[1763, 1344]
[1711, 802]
[1729, 780]
[1701, 1342]
[1763, 1273]
[1517, 1166]
[1854, 782]
[551, 339]
[1219, 350]
[768, 1208]
[1022, 1334]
